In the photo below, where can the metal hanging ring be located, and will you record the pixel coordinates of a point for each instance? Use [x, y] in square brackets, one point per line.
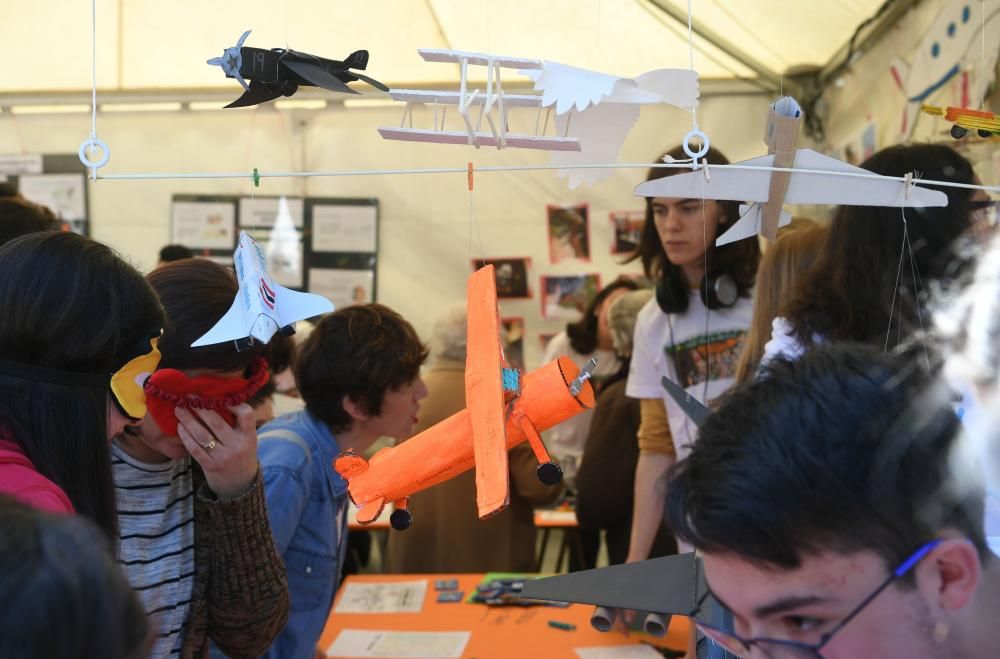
[85, 158]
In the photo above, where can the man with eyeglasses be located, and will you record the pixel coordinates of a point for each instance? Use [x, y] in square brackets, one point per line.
[834, 516]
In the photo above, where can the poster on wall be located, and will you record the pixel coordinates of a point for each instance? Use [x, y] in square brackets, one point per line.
[348, 228]
[203, 224]
[512, 338]
[627, 227]
[511, 276]
[343, 287]
[569, 233]
[265, 212]
[63, 194]
[567, 296]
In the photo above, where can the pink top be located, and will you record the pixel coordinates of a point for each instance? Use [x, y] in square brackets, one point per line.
[20, 479]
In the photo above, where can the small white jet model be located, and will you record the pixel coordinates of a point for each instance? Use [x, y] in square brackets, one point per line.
[820, 180]
[261, 308]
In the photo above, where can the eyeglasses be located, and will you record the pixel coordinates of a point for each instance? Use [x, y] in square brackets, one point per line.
[775, 648]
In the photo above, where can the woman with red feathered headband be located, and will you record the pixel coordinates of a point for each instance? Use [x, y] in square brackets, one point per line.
[195, 538]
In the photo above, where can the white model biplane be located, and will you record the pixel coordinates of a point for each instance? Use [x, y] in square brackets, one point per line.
[822, 180]
[594, 111]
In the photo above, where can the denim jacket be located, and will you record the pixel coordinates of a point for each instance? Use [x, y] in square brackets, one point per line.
[307, 504]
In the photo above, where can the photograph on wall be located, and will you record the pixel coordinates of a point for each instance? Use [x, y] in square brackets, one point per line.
[569, 233]
[567, 296]
[512, 337]
[627, 226]
[203, 224]
[511, 276]
[343, 287]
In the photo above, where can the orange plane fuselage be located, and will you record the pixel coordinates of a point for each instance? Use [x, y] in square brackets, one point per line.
[446, 449]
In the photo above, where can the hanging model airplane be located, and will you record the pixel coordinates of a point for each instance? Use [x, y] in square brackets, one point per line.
[504, 409]
[262, 307]
[986, 124]
[281, 71]
[594, 111]
[820, 180]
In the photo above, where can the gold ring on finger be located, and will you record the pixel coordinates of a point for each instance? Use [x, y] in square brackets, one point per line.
[211, 445]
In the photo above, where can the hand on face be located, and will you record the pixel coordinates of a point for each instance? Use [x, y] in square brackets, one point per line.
[227, 455]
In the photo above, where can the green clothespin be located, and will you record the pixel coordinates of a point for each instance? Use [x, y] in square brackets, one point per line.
[256, 178]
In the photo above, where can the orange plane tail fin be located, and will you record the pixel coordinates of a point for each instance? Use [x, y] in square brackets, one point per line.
[370, 511]
[349, 465]
[484, 394]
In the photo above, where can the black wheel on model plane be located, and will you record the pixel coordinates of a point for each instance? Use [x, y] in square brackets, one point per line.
[400, 519]
[958, 132]
[549, 473]
[986, 133]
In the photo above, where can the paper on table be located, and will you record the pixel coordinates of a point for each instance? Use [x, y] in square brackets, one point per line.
[383, 597]
[344, 228]
[618, 652]
[369, 643]
[556, 515]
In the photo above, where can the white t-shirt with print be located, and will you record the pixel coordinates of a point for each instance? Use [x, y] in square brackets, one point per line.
[698, 349]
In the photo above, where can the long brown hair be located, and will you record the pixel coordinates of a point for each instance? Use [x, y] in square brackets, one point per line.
[857, 279]
[738, 259]
[782, 265]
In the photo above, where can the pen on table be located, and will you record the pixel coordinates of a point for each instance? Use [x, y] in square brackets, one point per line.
[562, 625]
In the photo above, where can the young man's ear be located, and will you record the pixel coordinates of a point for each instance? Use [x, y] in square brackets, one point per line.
[951, 574]
[354, 410]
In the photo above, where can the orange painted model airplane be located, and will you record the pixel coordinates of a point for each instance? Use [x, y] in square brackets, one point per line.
[504, 409]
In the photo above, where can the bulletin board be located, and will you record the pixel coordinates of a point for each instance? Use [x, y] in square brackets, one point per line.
[341, 249]
[58, 181]
[324, 245]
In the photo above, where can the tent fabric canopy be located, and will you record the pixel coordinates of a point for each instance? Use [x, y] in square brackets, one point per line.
[155, 45]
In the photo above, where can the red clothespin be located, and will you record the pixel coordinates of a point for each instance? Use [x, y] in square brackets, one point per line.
[472, 178]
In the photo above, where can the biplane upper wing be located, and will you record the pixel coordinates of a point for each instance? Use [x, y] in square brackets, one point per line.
[484, 393]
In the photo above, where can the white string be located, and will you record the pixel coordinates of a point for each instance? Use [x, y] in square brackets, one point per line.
[529, 168]
[895, 287]
[93, 70]
[694, 111]
[982, 62]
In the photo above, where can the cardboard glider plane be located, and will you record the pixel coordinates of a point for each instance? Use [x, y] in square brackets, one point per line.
[819, 180]
[262, 307]
[504, 410]
[281, 71]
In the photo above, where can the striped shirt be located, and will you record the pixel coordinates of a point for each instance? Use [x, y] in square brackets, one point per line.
[156, 550]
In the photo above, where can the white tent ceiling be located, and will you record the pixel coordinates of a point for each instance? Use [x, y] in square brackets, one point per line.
[147, 45]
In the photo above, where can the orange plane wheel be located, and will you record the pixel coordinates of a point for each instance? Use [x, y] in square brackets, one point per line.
[400, 519]
[986, 133]
[958, 132]
[549, 473]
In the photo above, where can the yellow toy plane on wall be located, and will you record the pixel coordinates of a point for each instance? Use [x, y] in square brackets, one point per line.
[963, 120]
[504, 409]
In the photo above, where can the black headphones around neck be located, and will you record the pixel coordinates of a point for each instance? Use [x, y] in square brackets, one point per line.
[718, 291]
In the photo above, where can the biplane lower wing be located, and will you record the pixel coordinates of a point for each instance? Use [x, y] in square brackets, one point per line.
[542, 143]
[484, 394]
